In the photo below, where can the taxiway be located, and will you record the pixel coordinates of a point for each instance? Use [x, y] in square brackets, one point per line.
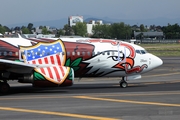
[154, 97]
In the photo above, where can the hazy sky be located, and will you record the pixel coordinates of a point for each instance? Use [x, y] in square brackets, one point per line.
[20, 11]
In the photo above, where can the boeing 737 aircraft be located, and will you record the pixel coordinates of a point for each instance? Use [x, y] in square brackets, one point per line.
[55, 62]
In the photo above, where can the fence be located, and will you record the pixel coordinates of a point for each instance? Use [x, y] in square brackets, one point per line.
[155, 41]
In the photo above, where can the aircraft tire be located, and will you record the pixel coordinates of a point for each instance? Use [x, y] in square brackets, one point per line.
[123, 84]
[4, 87]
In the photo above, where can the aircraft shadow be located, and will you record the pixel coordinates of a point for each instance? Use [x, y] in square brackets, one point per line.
[95, 88]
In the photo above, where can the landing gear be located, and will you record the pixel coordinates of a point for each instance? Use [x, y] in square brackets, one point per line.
[4, 87]
[123, 83]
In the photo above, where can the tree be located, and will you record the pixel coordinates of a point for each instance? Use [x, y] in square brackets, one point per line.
[152, 27]
[44, 31]
[17, 28]
[68, 29]
[25, 30]
[96, 30]
[30, 27]
[40, 27]
[7, 29]
[142, 28]
[171, 31]
[60, 32]
[120, 31]
[80, 29]
[101, 31]
[116, 31]
[2, 29]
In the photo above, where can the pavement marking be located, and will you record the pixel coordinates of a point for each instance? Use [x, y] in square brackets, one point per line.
[128, 101]
[94, 94]
[139, 94]
[57, 113]
[34, 97]
[117, 78]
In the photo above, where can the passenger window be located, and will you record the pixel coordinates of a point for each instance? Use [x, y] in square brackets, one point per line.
[16, 53]
[103, 53]
[93, 53]
[68, 53]
[5, 53]
[78, 53]
[10, 53]
[83, 53]
[88, 53]
[73, 53]
[112, 53]
[108, 53]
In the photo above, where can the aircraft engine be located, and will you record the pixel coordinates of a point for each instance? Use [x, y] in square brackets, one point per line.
[26, 78]
[53, 76]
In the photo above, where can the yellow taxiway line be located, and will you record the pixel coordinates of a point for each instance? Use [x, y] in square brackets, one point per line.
[90, 98]
[57, 113]
[128, 101]
[94, 94]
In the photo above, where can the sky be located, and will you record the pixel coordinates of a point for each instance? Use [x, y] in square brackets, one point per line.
[21, 11]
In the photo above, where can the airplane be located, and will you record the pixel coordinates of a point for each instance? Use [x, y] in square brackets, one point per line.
[55, 62]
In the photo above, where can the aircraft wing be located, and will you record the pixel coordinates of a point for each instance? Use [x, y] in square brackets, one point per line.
[18, 67]
[57, 76]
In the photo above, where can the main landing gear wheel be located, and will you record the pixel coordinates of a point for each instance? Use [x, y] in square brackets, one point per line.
[123, 83]
[4, 87]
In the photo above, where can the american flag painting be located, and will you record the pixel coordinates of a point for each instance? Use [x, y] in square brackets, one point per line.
[52, 54]
[45, 53]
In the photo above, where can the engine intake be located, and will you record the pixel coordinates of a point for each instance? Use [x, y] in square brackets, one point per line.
[27, 78]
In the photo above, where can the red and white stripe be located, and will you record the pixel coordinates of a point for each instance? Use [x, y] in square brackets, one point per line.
[55, 72]
[56, 59]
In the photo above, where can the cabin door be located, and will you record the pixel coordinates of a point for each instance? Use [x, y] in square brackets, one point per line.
[121, 54]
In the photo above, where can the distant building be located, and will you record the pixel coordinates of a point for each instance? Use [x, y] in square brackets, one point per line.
[72, 20]
[38, 30]
[39, 36]
[1, 35]
[91, 24]
[53, 30]
[149, 35]
[45, 36]
[71, 36]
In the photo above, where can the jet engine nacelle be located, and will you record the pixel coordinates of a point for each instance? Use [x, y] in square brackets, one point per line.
[27, 78]
[39, 79]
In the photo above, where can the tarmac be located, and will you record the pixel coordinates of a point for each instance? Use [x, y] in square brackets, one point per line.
[156, 96]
